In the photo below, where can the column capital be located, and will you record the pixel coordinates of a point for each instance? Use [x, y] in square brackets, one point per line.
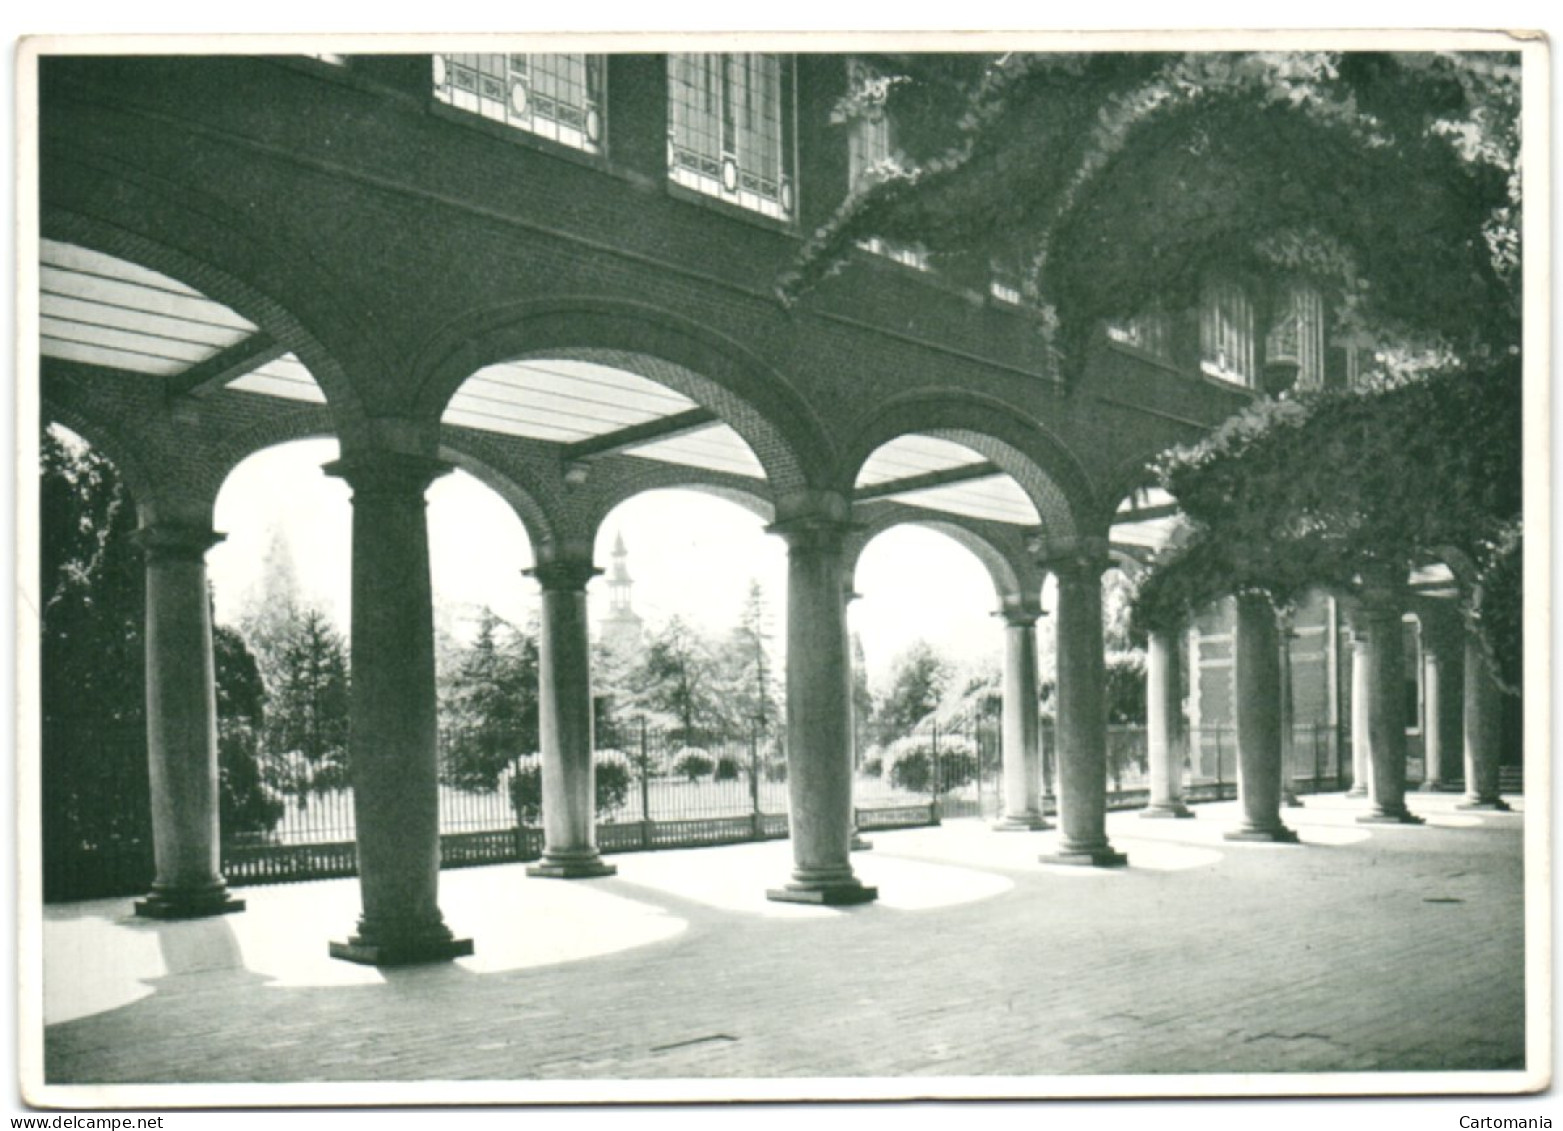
[387, 474]
[1075, 557]
[1020, 613]
[176, 541]
[813, 531]
[563, 574]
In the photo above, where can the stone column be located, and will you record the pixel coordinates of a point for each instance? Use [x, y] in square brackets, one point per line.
[1284, 636]
[1482, 733]
[1361, 661]
[565, 725]
[1257, 703]
[393, 746]
[1166, 739]
[858, 843]
[1386, 711]
[182, 726]
[1082, 715]
[1022, 731]
[1433, 777]
[819, 738]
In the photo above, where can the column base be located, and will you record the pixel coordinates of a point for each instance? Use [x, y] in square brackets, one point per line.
[1021, 823]
[1357, 791]
[1440, 787]
[1400, 816]
[176, 903]
[843, 894]
[396, 942]
[1086, 856]
[859, 844]
[1171, 810]
[577, 864]
[408, 952]
[1495, 806]
[1291, 800]
[1280, 834]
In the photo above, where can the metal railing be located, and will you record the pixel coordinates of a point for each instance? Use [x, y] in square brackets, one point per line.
[659, 788]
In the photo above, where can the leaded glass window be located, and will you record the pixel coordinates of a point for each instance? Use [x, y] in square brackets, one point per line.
[1226, 334]
[730, 129]
[559, 97]
[1150, 333]
[871, 146]
[1296, 335]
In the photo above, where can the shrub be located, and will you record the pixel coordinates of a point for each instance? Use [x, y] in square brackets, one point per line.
[908, 763]
[693, 763]
[612, 776]
[727, 768]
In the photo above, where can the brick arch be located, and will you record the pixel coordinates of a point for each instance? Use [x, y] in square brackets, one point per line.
[715, 372]
[208, 246]
[1129, 476]
[104, 437]
[297, 422]
[617, 483]
[1012, 577]
[1044, 467]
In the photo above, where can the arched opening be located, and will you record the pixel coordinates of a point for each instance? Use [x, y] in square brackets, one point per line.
[927, 674]
[688, 667]
[281, 584]
[950, 533]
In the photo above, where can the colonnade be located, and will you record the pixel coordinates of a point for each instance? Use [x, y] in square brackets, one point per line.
[393, 745]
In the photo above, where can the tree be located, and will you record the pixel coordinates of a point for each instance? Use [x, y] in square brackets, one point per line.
[309, 703]
[246, 803]
[676, 680]
[746, 671]
[92, 668]
[489, 704]
[919, 678]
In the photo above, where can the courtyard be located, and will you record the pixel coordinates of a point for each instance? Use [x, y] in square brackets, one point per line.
[1390, 957]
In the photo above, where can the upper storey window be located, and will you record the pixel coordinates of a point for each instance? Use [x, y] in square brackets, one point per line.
[1226, 334]
[1296, 337]
[559, 97]
[870, 147]
[730, 129]
[1150, 333]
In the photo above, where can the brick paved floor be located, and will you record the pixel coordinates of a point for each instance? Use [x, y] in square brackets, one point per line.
[1362, 950]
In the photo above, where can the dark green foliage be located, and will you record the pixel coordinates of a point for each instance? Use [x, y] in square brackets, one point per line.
[489, 705]
[92, 670]
[693, 764]
[96, 811]
[1112, 181]
[307, 723]
[909, 764]
[247, 804]
[613, 779]
[1327, 489]
[727, 768]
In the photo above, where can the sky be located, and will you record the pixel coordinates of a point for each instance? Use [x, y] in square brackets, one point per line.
[690, 555]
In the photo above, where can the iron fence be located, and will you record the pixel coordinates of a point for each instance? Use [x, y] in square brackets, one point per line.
[659, 788]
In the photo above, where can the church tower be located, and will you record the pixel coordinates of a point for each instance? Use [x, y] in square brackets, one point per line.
[621, 628]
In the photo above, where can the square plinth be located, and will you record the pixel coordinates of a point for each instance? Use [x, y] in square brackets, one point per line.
[1094, 858]
[1020, 825]
[1486, 806]
[841, 895]
[401, 954]
[1280, 835]
[1391, 819]
[156, 908]
[583, 870]
[1167, 813]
